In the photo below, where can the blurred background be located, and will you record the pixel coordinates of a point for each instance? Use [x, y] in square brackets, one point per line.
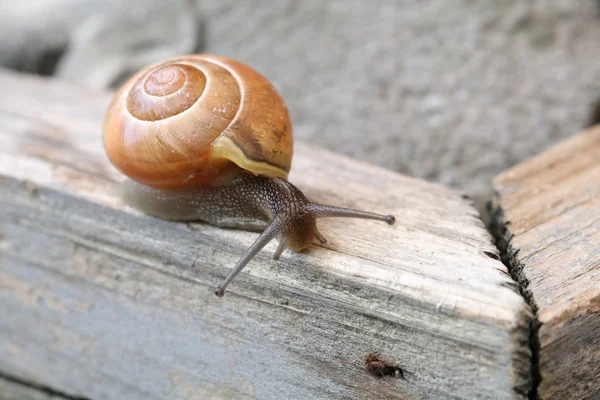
[453, 92]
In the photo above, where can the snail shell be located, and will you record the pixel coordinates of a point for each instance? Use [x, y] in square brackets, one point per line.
[186, 120]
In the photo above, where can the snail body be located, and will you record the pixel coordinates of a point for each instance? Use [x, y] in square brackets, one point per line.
[204, 137]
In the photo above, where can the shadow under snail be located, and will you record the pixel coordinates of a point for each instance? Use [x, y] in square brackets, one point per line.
[205, 137]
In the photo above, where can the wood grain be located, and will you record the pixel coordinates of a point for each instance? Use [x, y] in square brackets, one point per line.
[548, 209]
[101, 301]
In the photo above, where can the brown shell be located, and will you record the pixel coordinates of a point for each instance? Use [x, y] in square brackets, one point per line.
[187, 119]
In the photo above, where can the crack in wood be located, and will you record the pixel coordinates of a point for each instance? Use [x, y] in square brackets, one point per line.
[50, 392]
[503, 238]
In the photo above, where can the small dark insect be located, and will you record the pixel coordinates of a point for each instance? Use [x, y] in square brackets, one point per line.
[381, 367]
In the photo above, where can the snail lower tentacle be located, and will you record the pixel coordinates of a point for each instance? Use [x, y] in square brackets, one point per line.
[293, 221]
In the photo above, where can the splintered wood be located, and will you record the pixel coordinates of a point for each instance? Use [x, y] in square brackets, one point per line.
[547, 214]
[101, 301]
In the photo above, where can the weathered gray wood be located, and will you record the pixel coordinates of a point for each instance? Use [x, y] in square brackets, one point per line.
[11, 389]
[102, 301]
[547, 215]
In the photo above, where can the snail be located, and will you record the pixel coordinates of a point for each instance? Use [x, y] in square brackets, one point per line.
[204, 137]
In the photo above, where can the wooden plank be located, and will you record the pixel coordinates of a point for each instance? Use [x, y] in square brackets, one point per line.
[547, 214]
[102, 301]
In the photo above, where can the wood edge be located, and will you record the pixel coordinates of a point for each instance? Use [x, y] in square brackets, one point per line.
[36, 79]
[376, 169]
[585, 303]
[547, 155]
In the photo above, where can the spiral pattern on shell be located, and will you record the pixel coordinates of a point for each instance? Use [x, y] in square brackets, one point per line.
[186, 120]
